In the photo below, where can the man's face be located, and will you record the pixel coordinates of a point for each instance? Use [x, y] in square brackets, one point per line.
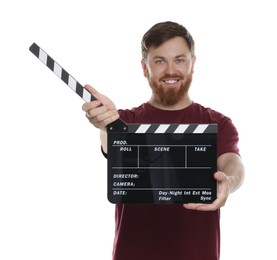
[169, 69]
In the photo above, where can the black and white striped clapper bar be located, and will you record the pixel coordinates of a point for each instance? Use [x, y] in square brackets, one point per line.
[71, 82]
[153, 163]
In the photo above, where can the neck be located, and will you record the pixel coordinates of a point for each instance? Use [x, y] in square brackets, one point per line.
[181, 104]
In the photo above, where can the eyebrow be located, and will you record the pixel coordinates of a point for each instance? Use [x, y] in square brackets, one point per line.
[176, 57]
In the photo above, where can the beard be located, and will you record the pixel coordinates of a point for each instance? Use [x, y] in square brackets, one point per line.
[170, 96]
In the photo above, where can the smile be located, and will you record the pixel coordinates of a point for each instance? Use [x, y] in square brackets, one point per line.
[171, 81]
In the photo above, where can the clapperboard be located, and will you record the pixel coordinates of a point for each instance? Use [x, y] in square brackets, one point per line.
[153, 163]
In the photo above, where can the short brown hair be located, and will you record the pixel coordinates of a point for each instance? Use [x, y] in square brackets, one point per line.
[162, 32]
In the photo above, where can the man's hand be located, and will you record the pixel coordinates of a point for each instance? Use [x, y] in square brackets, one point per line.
[229, 177]
[100, 112]
[223, 191]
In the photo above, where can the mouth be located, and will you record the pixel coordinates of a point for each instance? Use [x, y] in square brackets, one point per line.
[170, 82]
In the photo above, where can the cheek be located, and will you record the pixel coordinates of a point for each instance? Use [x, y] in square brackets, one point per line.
[155, 73]
[187, 71]
[151, 70]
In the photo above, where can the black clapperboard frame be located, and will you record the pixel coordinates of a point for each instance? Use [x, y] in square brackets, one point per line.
[153, 163]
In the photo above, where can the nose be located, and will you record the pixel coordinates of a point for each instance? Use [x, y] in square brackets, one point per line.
[170, 68]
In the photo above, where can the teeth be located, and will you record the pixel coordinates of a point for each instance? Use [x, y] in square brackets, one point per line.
[171, 81]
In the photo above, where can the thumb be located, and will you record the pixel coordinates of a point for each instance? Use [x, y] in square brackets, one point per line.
[219, 176]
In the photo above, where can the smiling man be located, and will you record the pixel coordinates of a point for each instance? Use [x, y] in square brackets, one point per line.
[169, 69]
[162, 232]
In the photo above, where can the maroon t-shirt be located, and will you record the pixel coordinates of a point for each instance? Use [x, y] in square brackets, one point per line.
[171, 232]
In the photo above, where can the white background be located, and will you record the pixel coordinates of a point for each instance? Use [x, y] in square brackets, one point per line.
[52, 175]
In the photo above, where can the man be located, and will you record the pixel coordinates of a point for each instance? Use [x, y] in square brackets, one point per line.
[177, 232]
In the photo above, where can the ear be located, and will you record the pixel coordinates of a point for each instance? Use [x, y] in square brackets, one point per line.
[144, 68]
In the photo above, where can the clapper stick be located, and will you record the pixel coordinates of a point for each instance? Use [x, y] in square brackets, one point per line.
[118, 125]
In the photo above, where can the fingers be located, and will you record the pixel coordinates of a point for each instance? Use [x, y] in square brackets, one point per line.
[91, 105]
[100, 97]
[100, 112]
[100, 116]
[101, 124]
[222, 195]
[93, 91]
[203, 207]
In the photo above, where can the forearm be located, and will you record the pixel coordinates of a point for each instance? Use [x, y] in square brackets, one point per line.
[232, 166]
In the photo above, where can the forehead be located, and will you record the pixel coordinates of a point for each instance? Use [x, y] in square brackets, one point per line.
[173, 47]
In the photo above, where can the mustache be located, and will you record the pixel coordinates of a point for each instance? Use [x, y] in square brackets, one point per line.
[170, 76]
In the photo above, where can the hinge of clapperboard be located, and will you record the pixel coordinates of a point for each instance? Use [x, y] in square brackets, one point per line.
[117, 126]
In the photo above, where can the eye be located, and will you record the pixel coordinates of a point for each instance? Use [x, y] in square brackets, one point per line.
[180, 60]
[159, 61]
